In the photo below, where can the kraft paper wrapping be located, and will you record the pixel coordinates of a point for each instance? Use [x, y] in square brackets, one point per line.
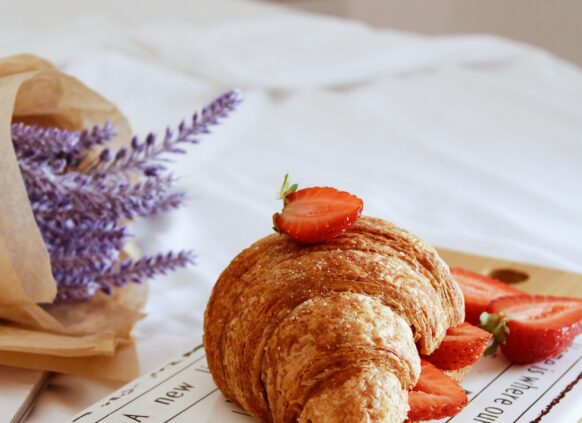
[122, 367]
[78, 338]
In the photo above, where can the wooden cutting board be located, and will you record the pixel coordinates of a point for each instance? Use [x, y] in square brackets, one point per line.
[527, 277]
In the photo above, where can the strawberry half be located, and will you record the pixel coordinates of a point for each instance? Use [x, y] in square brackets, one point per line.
[531, 328]
[462, 346]
[435, 395]
[315, 214]
[479, 291]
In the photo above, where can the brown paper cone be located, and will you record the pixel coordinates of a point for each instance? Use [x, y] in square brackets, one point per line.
[70, 338]
[33, 91]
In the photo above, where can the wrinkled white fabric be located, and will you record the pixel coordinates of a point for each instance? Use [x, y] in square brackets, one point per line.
[472, 142]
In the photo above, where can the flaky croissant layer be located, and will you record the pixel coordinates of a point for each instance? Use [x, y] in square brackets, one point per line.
[327, 332]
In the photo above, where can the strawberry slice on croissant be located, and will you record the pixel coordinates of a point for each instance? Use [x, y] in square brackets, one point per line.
[329, 332]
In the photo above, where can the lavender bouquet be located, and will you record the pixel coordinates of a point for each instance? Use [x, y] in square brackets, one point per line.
[68, 191]
[82, 206]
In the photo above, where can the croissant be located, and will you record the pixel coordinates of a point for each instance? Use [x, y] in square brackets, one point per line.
[329, 332]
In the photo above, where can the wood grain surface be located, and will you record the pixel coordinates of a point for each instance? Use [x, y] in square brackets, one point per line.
[538, 279]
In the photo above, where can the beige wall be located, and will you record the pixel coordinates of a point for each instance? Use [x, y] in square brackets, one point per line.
[555, 25]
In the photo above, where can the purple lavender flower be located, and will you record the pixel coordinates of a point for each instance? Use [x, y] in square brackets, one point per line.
[147, 156]
[81, 198]
[82, 211]
[64, 238]
[81, 291]
[98, 135]
[146, 267]
[104, 275]
[36, 143]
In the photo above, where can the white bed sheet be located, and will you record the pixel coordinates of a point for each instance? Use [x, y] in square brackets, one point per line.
[472, 142]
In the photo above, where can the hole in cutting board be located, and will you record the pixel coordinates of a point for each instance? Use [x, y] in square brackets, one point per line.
[509, 275]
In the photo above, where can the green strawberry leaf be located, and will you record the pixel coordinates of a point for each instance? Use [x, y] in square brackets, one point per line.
[286, 189]
[495, 324]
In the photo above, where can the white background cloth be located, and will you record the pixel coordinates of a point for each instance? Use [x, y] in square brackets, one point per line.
[472, 142]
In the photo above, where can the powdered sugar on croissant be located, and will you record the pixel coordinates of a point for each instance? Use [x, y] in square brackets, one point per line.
[307, 332]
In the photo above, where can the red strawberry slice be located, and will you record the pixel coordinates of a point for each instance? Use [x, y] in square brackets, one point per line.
[479, 291]
[462, 346]
[316, 214]
[531, 328]
[435, 395]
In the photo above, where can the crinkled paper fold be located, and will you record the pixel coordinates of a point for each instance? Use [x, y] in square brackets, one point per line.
[90, 338]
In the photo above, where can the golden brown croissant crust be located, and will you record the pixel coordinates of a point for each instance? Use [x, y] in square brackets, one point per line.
[327, 332]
